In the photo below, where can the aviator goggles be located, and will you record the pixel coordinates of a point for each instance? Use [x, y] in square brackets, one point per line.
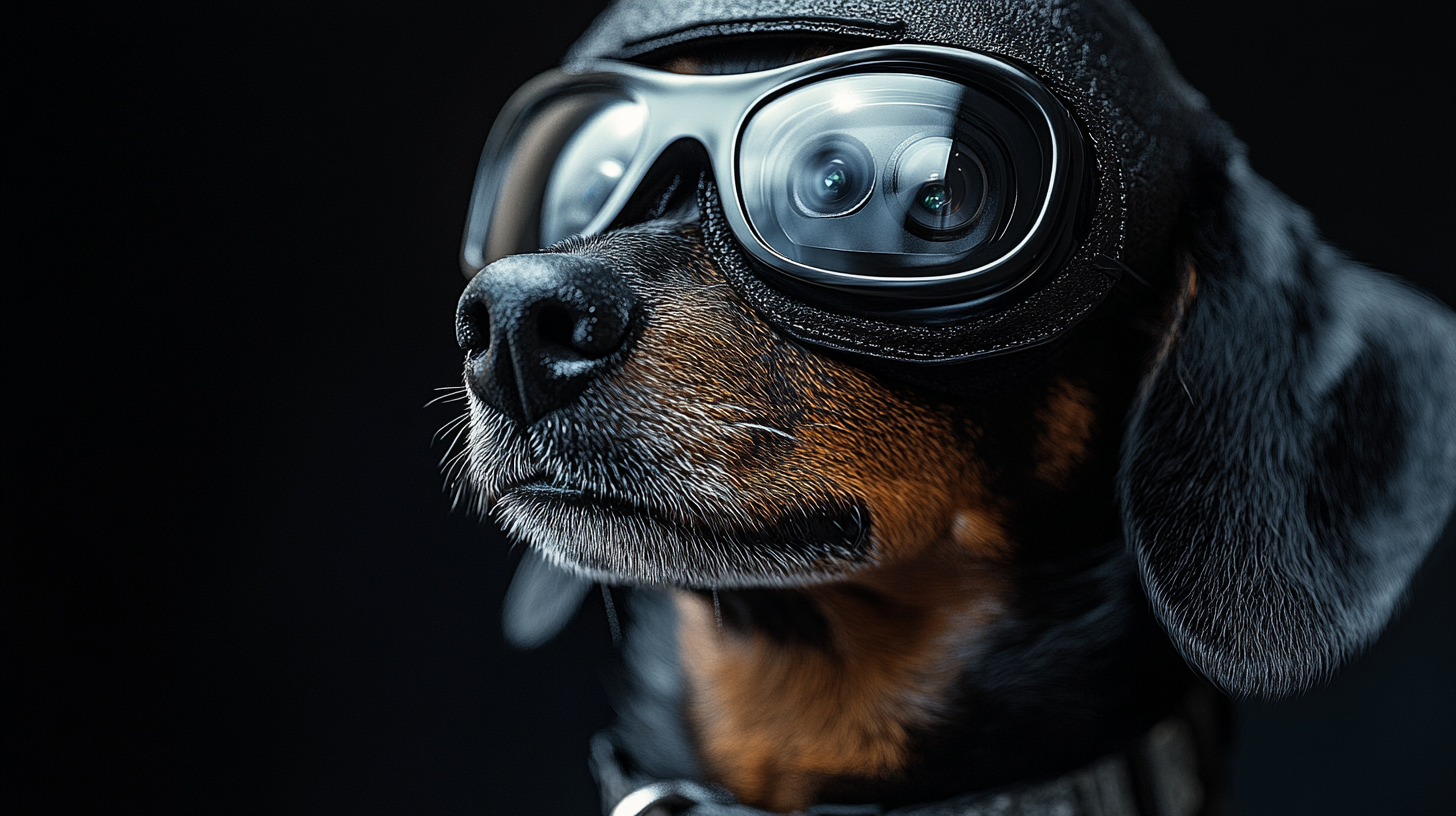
[919, 183]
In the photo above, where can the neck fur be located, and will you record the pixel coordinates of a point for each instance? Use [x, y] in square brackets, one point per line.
[798, 687]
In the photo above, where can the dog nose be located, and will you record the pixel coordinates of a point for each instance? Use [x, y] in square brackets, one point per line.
[537, 329]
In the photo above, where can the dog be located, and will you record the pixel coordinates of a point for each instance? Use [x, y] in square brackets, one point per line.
[987, 558]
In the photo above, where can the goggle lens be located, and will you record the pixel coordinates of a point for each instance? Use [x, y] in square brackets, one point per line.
[915, 180]
[589, 169]
[882, 174]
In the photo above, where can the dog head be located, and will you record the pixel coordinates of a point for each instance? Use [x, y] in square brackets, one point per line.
[1271, 420]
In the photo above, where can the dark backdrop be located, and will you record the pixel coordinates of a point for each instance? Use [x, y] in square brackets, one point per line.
[231, 581]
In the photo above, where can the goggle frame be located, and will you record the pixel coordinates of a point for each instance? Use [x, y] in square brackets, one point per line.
[721, 109]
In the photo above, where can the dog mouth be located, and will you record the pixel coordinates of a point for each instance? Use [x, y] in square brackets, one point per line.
[613, 540]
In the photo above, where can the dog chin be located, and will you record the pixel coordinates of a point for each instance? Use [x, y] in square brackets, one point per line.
[668, 542]
[607, 540]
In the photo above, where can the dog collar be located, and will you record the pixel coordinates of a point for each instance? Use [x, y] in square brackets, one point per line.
[1159, 775]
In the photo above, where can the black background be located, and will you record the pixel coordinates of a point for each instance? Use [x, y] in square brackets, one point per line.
[231, 581]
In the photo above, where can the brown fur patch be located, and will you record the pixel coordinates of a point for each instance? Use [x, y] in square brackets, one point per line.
[684, 65]
[775, 720]
[769, 423]
[1067, 422]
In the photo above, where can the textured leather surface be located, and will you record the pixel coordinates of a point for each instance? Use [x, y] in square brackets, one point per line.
[1099, 58]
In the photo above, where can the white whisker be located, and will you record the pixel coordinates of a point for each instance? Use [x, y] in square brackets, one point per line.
[765, 428]
[454, 393]
[452, 425]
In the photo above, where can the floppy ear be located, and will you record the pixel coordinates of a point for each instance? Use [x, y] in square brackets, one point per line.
[540, 601]
[1293, 452]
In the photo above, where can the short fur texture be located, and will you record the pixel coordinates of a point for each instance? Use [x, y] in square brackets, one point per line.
[857, 588]
[1292, 456]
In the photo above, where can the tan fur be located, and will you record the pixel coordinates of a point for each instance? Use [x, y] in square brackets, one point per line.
[719, 378]
[1068, 421]
[775, 720]
[718, 420]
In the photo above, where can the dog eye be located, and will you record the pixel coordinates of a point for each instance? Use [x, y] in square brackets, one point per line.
[589, 168]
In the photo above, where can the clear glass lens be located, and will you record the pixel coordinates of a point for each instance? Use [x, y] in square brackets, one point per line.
[941, 186]
[875, 174]
[832, 177]
[589, 168]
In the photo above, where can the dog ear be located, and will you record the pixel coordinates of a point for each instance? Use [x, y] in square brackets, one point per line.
[1292, 454]
[540, 601]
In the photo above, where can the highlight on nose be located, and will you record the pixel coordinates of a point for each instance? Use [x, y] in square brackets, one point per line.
[537, 329]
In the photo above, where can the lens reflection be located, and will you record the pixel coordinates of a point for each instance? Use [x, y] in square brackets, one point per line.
[884, 175]
[942, 185]
[832, 178]
[588, 169]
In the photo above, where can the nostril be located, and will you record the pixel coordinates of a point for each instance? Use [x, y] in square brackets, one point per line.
[599, 332]
[472, 327]
[587, 331]
[556, 326]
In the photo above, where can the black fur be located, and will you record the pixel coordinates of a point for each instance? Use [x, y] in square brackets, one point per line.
[1281, 450]
[1076, 668]
[1293, 455]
